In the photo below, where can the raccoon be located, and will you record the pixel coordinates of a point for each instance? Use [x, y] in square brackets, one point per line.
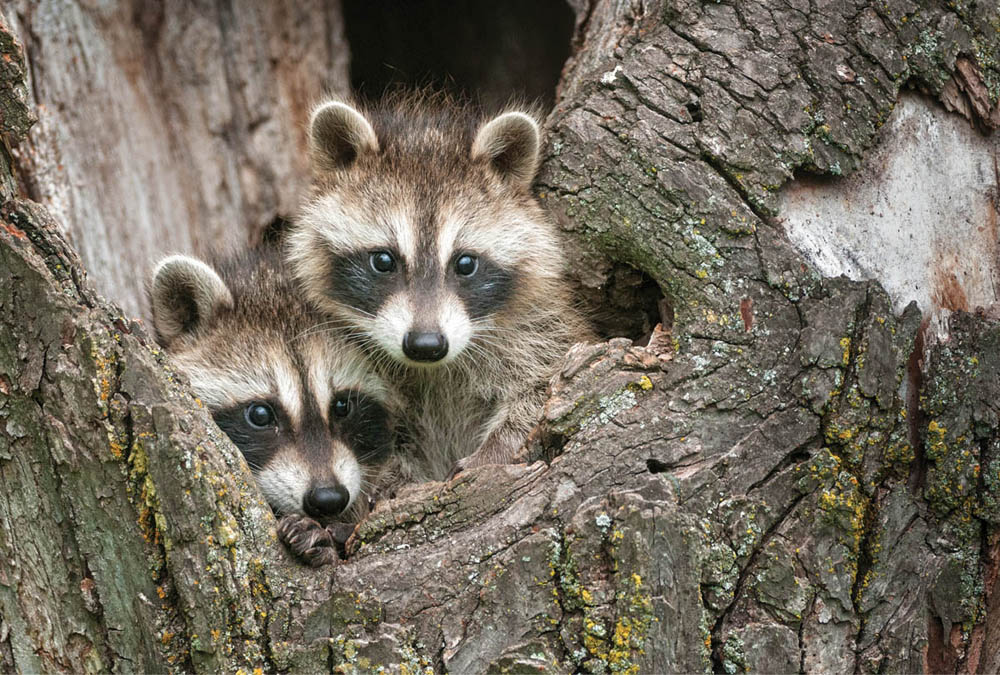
[422, 239]
[312, 420]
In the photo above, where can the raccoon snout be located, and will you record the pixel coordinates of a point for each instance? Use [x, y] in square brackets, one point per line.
[425, 346]
[326, 501]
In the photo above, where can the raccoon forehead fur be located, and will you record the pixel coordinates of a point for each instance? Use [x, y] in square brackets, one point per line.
[421, 226]
[260, 340]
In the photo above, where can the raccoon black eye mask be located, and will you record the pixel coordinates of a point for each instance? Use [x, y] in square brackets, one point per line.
[364, 281]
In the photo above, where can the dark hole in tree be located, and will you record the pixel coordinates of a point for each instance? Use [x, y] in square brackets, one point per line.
[656, 466]
[628, 304]
[487, 51]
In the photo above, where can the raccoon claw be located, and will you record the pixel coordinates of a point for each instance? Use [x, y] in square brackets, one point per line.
[340, 532]
[460, 466]
[308, 540]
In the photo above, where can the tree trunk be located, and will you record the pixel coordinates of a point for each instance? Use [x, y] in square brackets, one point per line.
[170, 127]
[797, 473]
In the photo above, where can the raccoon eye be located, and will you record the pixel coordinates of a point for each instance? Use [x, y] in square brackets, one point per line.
[382, 261]
[259, 415]
[466, 265]
[342, 407]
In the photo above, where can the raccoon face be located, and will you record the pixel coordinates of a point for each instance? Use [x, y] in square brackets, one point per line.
[307, 416]
[420, 237]
[311, 463]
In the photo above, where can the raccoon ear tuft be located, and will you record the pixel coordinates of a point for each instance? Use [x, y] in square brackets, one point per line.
[510, 142]
[184, 293]
[338, 134]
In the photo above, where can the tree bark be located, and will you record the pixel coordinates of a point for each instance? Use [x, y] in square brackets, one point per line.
[791, 476]
[170, 127]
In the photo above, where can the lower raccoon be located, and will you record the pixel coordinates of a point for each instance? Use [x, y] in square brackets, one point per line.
[422, 239]
[312, 421]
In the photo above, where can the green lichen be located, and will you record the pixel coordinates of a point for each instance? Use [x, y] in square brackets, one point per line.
[734, 656]
[611, 641]
[410, 658]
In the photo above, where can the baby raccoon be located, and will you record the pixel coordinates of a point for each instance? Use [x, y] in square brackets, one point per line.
[423, 240]
[310, 418]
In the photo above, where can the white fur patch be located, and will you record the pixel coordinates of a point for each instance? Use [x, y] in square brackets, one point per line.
[225, 388]
[287, 385]
[402, 228]
[271, 375]
[450, 227]
[285, 480]
[397, 318]
[393, 321]
[319, 378]
[506, 237]
[348, 471]
[335, 225]
[454, 323]
[284, 484]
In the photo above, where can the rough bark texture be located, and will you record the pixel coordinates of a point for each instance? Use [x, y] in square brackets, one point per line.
[170, 127]
[791, 478]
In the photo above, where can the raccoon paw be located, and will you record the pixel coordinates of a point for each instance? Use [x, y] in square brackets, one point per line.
[466, 463]
[340, 532]
[309, 541]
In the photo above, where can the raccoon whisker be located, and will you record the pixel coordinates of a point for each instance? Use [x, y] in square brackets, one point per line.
[358, 310]
[376, 354]
[382, 361]
[479, 359]
[364, 458]
[321, 328]
[479, 350]
[490, 329]
[481, 343]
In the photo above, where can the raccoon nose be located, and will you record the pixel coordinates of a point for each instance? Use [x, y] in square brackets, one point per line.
[326, 501]
[425, 346]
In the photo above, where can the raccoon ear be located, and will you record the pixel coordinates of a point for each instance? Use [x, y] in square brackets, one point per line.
[510, 143]
[184, 293]
[338, 134]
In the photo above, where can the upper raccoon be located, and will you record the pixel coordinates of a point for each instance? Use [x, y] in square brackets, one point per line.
[423, 239]
[306, 413]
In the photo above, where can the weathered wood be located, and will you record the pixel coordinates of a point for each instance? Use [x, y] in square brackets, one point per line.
[791, 478]
[170, 127]
[790, 427]
[130, 534]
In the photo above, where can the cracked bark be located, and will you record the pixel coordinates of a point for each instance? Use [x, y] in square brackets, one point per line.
[759, 488]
